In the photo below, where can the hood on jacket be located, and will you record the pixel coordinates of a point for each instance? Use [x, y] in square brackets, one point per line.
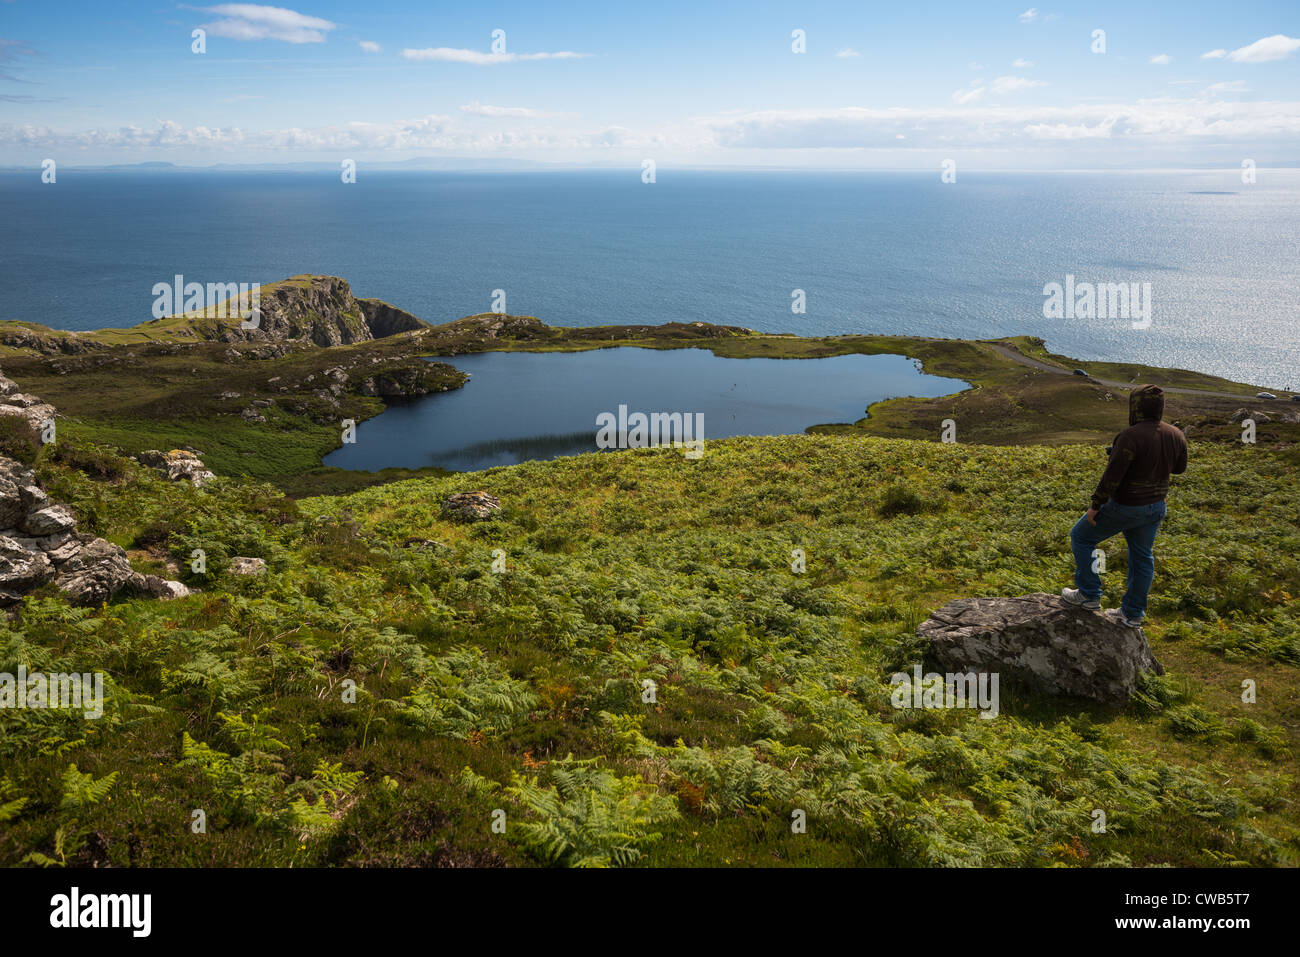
[1146, 403]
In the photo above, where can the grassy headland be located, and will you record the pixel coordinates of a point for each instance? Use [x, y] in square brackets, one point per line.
[186, 380]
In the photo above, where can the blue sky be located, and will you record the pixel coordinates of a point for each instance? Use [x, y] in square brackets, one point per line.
[992, 85]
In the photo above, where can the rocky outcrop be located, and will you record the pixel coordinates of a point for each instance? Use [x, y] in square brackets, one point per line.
[471, 506]
[240, 565]
[1262, 417]
[386, 320]
[407, 379]
[178, 464]
[16, 403]
[44, 340]
[39, 543]
[320, 310]
[489, 326]
[1059, 648]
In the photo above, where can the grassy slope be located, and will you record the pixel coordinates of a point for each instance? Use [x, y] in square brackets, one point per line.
[772, 687]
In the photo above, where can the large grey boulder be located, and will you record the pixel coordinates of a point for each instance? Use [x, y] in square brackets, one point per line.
[97, 572]
[1061, 649]
[21, 570]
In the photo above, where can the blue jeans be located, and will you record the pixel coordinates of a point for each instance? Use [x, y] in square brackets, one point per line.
[1139, 523]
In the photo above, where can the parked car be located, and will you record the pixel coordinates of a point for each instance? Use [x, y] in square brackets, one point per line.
[1265, 395]
[1081, 372]
[1295, 398]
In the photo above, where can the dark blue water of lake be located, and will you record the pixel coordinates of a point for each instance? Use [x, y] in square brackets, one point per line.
[519, 406]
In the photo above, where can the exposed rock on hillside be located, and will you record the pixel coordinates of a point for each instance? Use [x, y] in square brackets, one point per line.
[471, 506]
[303, 310]
[39, 543]
[321, 310]
[1262, 417]
[44, 340]
[492, 325]
[178, 464]
[406, 379]
[13, 402]
[240, 565]
[387, 320]
[1059, 648]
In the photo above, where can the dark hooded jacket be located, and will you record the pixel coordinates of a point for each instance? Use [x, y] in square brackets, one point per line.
[1144, 454]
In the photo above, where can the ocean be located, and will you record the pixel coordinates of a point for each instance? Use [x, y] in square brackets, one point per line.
[879, 252]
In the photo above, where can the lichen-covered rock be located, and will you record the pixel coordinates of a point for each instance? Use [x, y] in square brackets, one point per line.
[153, 586]
[95, 573]
[12, 508]
[178, 464]
[1061, 649]
[28, 407]
[471, 506]
[240, 565]
[21, 570]
[39, 543]
[51, 520]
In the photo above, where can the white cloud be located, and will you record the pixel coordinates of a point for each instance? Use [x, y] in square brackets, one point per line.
[1029, 16]
[1022, 64]
[1214, 55]
[1064, 131]
[1230, 86]
[1012, 84]
[505, 112]
[1195, 126]
[253, 21]
[968, 96]
[976, 66]
[847, 53]
[478, 58]
[1276, 47]
[370, 46]
[426, 134]
[1167, 122]
[1161, 59]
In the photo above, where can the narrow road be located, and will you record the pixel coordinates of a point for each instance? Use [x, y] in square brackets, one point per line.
[1025, 360]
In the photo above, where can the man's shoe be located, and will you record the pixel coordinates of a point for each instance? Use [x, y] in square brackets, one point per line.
[1072, 596]
[1118, 615]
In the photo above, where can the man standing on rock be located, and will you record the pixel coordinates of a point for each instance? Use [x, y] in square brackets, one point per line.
[1131, 499]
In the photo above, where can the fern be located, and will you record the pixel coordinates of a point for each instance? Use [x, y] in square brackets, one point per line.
[10, 807]
[588, 817]
[81, 790]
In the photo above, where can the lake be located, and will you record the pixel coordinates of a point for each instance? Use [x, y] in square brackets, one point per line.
[520, 406]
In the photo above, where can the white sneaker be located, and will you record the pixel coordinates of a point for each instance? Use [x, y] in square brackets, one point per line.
[1119, 616]
[1072, 596]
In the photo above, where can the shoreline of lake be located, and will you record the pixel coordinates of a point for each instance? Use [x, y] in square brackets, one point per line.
[540, 405]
